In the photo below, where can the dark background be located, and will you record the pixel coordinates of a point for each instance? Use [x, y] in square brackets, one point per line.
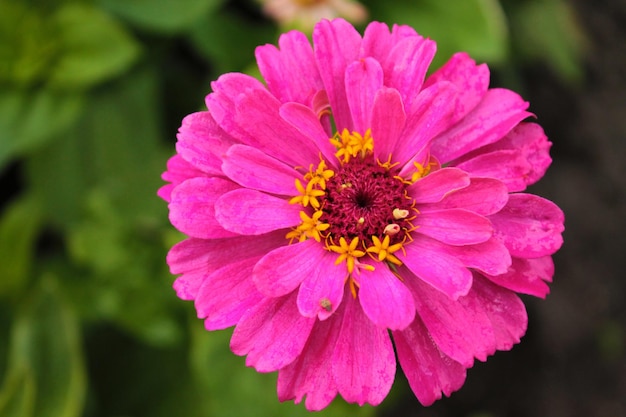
[572, 361]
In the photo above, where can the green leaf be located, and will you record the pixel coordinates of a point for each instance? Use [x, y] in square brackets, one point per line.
[477, 27]
[116, 147]
[29, 119]
[228, 39]
[547, 30]
[161, 15]
[232, 390]
[27, 44]
[94, 47]
[19, 228]
[46, 370]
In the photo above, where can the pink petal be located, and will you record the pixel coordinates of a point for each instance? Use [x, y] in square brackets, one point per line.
[529, 226]
[290, 72]
[505, 311]
[251, 168]
[363, 79]
[272, 334]
[226, 294]
[201, 142]
[308, 124]
[192, 209]
[498, 112]
[483, 196]
[258, 113]
[490, 257]
[435, 186]
[282, 270]
[407, 64]
[527, 148]
[435, 265]
[508, 166]
[430, 372]
[336, 45]
[527, 276]
[250, 212]
[460, 328]
[197, 258]
[178, 170]
[311, 373]
[364, 364]
[472, 82]
[385, 300]
[425, 119]
[222, 106]
[377, 41]
[454, 226]
[322, 289]
[388, 121]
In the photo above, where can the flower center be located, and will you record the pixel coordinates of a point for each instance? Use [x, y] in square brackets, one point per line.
[360, 200]
[361, 208]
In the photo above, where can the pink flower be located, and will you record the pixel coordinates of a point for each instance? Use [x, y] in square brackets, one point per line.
[351, 199]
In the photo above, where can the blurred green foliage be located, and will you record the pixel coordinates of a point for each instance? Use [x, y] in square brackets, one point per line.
[91, 93]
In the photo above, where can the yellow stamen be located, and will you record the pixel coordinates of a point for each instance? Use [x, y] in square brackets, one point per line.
[307, 195]
[350, 144]
[384, 250]
[347, 252]
[391, 229]
[320, 175]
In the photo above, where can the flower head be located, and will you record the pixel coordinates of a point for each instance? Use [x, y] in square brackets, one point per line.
[351, 196]
[304, 14]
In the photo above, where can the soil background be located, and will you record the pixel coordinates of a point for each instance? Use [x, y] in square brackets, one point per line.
[572, 361]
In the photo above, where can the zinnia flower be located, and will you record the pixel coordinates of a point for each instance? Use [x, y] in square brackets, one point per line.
[304, 14]
[351, 201]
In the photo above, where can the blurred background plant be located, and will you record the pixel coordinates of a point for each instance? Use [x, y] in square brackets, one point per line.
[91, 95]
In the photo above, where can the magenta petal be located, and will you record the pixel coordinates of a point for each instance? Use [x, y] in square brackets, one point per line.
[322, 289]
[363, 79]
[386, 301]
[196, 258]
[283, 269]
[178, 170]
[527, 276]
[432, 263]
[272, 334]
[290, 73]
[430, 372]
[192, 209]
[388, 120]
[434, 187]
[364, 364]
[258, 113]
[483, 196]
[426, 118]
[490, 257]
[472, 82]
[311, 373]
[505, 311]
[508, 166]
[529, 226]
[460, 328]
[498, 112]
[201, 142]
[250, 212]
[251, 168]
[406, 66]
[222, 106]
[226, 294]
[308, 123]
[454, 226]
[336, 45]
